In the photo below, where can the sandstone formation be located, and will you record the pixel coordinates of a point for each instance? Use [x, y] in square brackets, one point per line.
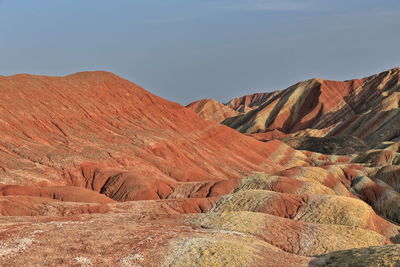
[96, 171]
[212, 110]
[365, 108]
[104, 133]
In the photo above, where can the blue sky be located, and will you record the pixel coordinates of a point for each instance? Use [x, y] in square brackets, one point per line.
[185, 50]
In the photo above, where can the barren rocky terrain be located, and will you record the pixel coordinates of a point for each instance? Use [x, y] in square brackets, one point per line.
[96, 171]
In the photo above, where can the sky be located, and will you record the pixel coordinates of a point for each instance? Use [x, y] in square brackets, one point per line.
[185, 50]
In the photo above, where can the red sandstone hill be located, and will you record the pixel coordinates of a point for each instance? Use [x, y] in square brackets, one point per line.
[104, 133]
[366, 108]
[96, 171]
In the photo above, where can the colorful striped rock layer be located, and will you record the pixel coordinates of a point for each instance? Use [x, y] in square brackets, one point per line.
[364, 108]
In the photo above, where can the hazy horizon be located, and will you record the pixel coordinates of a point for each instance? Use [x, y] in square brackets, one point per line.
[188, 50]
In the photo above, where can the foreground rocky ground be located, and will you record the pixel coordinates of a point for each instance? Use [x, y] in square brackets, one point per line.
[95, 171]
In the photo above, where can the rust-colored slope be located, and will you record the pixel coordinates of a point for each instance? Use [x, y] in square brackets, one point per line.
[99, 131]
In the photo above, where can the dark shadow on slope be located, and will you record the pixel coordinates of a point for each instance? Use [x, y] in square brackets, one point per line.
[327, 145]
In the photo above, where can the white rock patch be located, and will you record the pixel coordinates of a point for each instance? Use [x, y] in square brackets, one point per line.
[133, 260]
[83, 261]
